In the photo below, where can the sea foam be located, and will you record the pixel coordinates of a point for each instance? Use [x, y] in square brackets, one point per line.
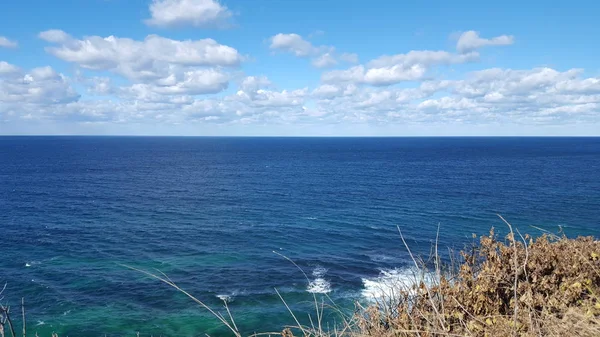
[319, 285]
[390, 281]
[227, 297]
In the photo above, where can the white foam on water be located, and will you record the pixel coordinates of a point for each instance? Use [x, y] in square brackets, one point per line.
[319, 271]
[389, 282]
[319, 285]
[227, 297]
[40, 323]
[27, 265]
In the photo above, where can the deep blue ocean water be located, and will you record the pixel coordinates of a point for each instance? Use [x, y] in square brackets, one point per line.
[209, 212]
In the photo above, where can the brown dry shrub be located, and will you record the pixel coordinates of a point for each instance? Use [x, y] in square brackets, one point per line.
[521, 287]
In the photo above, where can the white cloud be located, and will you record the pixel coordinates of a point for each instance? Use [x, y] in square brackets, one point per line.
[324, 61]
[295, 44]
[55, 36]
[412, 66]
[375, 76]
[422, 57]
[6, 43]
[394, 74]
[327, 91]
[8, 69]
[95, 52]
[192, 82]
[253, 83]
[158, 81]
[392, 69]
[349, 57]
[196, 13]
[322, 56]
[529, 97]
[252, 94]
[470, 41]
[42, 86]
[540, 96]
[355, 74]
[156, 64]
[101, 86]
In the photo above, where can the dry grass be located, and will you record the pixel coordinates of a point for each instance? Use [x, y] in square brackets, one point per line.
[521, 286]
[511, 286]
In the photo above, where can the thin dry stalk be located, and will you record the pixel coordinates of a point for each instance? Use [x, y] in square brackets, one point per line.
[299, 326]
[516, 268]
[433, 306]
[23, 314]
[230, 326]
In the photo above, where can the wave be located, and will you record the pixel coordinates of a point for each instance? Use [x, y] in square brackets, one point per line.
[225, 298]
[319, 285]
[390, 281]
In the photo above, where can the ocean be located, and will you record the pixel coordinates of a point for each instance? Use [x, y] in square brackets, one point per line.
[219, 216]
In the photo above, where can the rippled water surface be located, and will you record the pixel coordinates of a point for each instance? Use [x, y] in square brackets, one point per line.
[210, 212]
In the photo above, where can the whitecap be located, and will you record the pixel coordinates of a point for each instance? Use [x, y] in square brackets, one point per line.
[40, 323]
[227, 297]
[32, 263]
[319, 271]
[319, 286]
[390, 282]
[381, 258]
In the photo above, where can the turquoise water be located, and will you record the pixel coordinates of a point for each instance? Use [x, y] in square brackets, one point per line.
[209, 212]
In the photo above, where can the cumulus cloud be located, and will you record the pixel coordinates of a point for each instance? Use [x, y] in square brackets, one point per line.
[161, 81]
[196, 13]
[8, 69]
[6, 43]
[322, 56]
[422, 57]
[529, 97]
[413, 66]
[327, 91]
[105, 53]
[375, 76]
[253, 94]
[533, 96]
[324, 61]
[100, 86]
[38, 86]
[192, 82]
[156, 63]
[392, 69]
[349, 57]
[470, 41]
[253, 83]
[295, 44]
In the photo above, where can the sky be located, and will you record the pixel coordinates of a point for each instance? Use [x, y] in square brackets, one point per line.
[299, 68]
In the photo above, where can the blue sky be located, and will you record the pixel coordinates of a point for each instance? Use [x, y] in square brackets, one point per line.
[292, 67]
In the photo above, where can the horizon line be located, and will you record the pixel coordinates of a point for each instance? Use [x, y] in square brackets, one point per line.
[302, 136]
